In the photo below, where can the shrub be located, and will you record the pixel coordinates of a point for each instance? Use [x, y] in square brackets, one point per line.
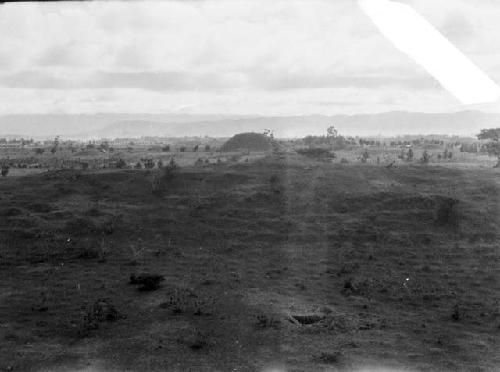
[446, 214]
[184, 301]
[147, 282]
[100, 311]
[263, 322]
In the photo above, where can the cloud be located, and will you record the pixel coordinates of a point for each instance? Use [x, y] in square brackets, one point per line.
[155, 81]
[225, 55]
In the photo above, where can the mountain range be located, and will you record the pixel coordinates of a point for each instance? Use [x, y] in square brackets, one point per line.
[108, 125]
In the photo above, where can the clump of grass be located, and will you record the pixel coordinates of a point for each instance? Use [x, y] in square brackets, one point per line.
[265, 322]
[102, 310]
[147, 282]
[196, 339]
[329, 357]
[447, 214]
[185, 301]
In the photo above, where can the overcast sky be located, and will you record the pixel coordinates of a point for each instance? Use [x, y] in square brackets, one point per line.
[234, 57]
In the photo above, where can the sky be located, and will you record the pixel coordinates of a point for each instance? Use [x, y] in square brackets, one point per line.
[229, 57]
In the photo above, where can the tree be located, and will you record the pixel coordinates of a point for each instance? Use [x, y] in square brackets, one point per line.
[121, 164]
[331, 132]
[148, 163]
[5, 170]
[425, 157]
[365, 156]
[55, 145]
[493, 146]
[269, 133]
[409, 156]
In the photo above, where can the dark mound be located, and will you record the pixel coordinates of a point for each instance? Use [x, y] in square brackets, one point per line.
[247, 141]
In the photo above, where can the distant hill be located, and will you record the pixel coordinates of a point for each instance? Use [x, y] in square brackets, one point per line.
[86, 126]
[247, 141]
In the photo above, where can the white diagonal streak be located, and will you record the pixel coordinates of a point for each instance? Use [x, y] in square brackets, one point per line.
[417, 38]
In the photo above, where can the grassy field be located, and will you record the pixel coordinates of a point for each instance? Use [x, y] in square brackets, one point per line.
[280, 263]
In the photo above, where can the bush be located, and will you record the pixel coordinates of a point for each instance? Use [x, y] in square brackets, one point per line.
[100, 311]
[184, 301]
[5, 170]
[446, 214]
[147, 282]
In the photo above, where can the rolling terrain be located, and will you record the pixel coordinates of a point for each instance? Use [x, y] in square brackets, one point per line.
[285, 262]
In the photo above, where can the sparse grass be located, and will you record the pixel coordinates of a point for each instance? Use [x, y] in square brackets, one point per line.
[223, 239]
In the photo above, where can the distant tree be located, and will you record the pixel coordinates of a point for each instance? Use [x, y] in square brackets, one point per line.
[182, 149]
[493, 146]
[39, 151]
[5, 170]
[207, 148]
[159, 164]
[268, 132]
[195, 149]
[104, 146]
[331, 132]
[121, 164]
[55, 145]
[138, 165]
[409, 156]
[148, 163]
[425, 157]
[364, 156]
[166, 148]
